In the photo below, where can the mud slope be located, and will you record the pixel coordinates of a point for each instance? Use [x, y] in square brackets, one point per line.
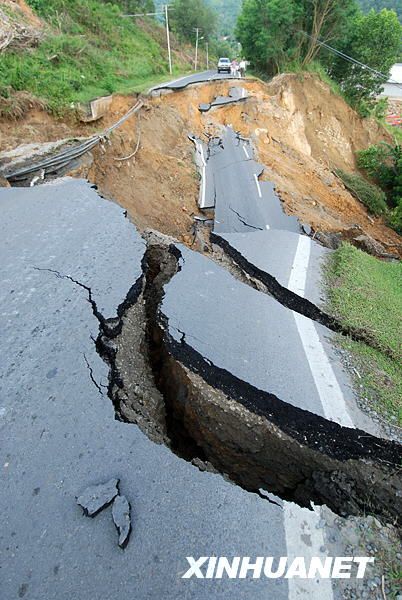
[158, 185]
[301, 131]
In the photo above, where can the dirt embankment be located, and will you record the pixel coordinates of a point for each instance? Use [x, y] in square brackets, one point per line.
[20, 28]
[301, 130]
[159, 184]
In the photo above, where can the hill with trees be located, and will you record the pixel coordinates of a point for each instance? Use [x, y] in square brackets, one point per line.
[277, 36]
[378, 5]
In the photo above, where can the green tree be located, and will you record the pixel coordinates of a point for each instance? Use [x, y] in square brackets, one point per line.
[383, 164]
[375, 41]
[272, 32]
[378, 5]
[227, 11]
[189, 14]
[326, 21]
[265, 29]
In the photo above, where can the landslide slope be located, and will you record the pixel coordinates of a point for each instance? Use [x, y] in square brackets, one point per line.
[301, 129]
[302, 132]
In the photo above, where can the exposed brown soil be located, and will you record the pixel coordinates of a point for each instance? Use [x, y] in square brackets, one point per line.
[301, 131]
[159, 185]
[37, 126]
[19, 26]
[22, 8]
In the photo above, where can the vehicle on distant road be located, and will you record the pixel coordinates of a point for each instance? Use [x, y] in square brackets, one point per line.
[224, 65]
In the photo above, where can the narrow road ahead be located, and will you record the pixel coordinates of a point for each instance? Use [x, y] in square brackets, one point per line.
[201, 77]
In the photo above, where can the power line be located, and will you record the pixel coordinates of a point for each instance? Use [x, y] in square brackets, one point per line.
[164, 12]
[352, 60]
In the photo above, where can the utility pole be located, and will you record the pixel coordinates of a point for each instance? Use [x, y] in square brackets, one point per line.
[197, 31]
[206, 46]
[168, 38]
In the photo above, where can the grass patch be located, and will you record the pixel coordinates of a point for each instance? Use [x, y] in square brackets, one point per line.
[366, 293]
[367, 193]
[90, 51]
[380, 378]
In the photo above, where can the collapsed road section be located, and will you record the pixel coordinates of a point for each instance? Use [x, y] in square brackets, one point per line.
[59, 434]
[128, 299]
[235, 94]
[233, 188]
[237, 407]
[278, 256]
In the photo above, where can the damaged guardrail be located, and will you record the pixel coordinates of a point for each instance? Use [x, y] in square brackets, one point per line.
[55, 163]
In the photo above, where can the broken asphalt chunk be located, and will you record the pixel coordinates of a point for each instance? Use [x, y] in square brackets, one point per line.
[96, 497]
[122, 519]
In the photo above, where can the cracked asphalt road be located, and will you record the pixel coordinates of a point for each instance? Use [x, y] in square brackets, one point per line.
[201, 77]
[71, 261]
[59, 435]
[236, 94]
[242, 202]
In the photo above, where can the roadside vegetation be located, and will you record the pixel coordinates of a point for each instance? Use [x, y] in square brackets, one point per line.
[366, 293]
[383, 164]
[369, 194]
[381, 188]
[87, 50]
[278, 36]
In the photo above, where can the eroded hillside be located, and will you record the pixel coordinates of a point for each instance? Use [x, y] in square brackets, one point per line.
[301, 130]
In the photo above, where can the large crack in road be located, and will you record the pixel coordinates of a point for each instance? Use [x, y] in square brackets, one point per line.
[164, 375]
[217, 421]
[290, 299]
[177, 383]
[220, 421]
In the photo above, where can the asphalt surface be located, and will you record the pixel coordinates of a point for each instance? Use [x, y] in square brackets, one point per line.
[201, 77]
[255, 338]
[236, 94]
[59, 434]
[274, 251]
[249, 219]
[242, 202]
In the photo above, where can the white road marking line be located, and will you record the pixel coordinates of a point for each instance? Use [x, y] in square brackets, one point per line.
[325, 380]
[203, 176]
[298, 273]
[245, 151]
[300, 524]
[257, 183]
[328, 388]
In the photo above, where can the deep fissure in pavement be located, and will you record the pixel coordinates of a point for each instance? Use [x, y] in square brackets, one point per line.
[209, 417]
[290, 299]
